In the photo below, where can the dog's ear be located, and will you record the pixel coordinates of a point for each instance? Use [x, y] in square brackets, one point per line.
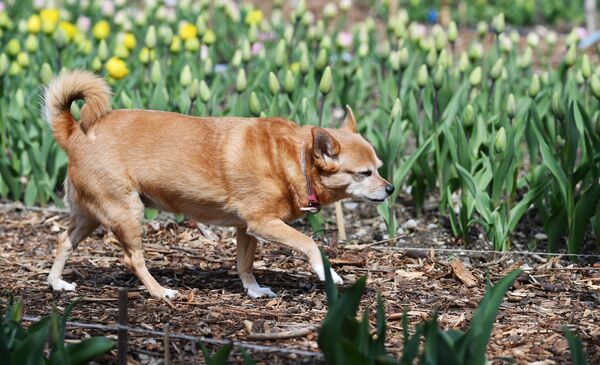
[325, 150]
[349, 123]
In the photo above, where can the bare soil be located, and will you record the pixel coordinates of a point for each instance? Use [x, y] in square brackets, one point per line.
[200, 263]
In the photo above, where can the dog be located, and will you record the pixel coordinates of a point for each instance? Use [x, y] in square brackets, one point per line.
[255, 174]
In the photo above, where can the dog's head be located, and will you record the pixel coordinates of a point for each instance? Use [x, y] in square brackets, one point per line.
[348, 163]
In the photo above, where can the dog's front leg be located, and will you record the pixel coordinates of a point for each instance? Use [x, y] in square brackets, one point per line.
[276, 230]
[246, 247]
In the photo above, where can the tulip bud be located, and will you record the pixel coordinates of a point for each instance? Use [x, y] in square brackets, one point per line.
[463, 62]
[166, 34]
[150, 40]
[194, 89]
[396, 109]
[500, 141]
[469, 116]
[208, 66]
[254, 104]
[3, 64]
[241, 82]
[103, 51]
[496, 70]
[595, 85]
[144, 56]
[329, 10]
[304, 105]
[431, 58]
[96, 64]
[273, 84]
[155, 73]
[571, 55]
[579, 78]
[31, 43]
[23, 59]
[175, 46]
[192, 44]
[326, 81]
[498, 23]
[304, 63]
[482, 29]
[45, 73]
[422, 76]
[475, 77]
[557, 108]
[363, 50]
[586, 67]
[404, 57]
[440, 40]
[525, 60]
[245, 50]
[20, 98]
[14, 68]
[551, 38]
[236, 60]
[534, 87]
[280, 53]
[452, 32]
[121, 51]
[533, 40]
[511, 106]
[322, 60]
[185, 79]
[476, 51]
[13, 47]
[205, 90]
[289, 82]
[438, 77]
[60, 38]
[506, 44]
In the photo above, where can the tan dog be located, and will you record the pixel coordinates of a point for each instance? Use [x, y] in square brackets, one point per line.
[255, 174]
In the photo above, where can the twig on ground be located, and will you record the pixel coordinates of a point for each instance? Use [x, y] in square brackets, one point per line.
[298, 332]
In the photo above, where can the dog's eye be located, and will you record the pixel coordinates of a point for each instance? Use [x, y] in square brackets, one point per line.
[365, 173]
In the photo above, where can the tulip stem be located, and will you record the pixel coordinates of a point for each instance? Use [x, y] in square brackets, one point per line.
[58, 59]
[191, 107]
[321, 108]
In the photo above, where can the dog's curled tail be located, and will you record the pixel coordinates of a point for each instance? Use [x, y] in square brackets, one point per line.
[62, 91]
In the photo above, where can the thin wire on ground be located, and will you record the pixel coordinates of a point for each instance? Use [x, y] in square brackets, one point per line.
[179, 336]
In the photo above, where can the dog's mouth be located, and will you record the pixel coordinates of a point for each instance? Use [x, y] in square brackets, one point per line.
[376, 200]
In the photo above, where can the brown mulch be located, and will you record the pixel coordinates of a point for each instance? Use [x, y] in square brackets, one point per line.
[200, 263]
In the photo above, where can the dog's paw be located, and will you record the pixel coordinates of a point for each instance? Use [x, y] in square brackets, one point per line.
[256, 291]
[170, 294]
[59, 285]
[320, 271]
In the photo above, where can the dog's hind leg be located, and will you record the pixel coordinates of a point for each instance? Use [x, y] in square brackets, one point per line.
[80, 226]
[125, 224]
[246, 247]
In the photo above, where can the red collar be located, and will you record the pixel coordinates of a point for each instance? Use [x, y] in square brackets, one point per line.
[313, 205]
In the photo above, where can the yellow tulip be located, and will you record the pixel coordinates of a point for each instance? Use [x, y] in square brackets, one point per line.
[254, 17]
[116, 68]
[50, 15]
[129, 41]
[101, 30]
[188, 31]
[69, 28]
[50, 19]
[34, 24]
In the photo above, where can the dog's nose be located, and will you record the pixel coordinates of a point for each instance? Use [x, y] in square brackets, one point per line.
[389, 189]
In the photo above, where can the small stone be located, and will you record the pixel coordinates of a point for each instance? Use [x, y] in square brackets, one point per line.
[410, 224]
[401, 231]
[431, 226]
[541, 236]
[350, 205]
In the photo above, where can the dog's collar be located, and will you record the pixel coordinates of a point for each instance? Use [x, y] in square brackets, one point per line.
[313, 205]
